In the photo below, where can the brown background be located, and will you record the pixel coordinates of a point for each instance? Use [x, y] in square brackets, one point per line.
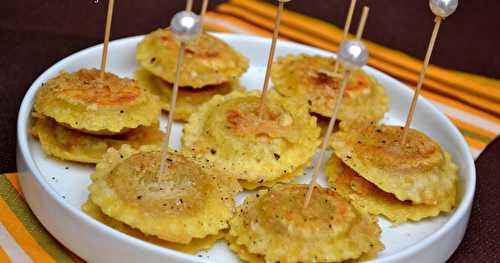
[34, 34]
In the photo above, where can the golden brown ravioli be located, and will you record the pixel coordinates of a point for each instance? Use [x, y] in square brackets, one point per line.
[188, 201]
[208, 60]
[419, 171]
[82, 100]
[311, 79]
[228, 132]
[273, 226]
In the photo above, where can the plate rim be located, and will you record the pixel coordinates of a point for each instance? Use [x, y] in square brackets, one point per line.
[23, 149]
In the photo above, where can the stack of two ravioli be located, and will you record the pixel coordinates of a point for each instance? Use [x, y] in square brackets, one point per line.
[211, 67]
[79, 115]
[186, 208]
[378, 174]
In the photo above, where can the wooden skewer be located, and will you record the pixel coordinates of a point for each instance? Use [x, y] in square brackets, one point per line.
[362, 23]
[333, 119]
[271, 58]
[189, 5]
[347, 26]
[203, 10]
[438, 20]
[173, 102]
[348, 21]
[109, 19]
[326, 139]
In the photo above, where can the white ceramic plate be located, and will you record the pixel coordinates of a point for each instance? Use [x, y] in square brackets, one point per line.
[55, 189]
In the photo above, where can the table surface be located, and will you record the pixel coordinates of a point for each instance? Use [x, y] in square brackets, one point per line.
[482, 239]
[34, 34]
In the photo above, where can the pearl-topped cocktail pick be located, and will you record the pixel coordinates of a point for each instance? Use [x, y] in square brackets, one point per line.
[442, 9]
[353, 54]
[186, 28]
[347, 26]
[271, 56]
[107, 32]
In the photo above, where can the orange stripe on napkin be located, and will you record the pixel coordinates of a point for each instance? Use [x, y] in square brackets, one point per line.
[478, 130]
[14, 181]
[3, 256]
[215, 27]
[474, 143]
[239, 23]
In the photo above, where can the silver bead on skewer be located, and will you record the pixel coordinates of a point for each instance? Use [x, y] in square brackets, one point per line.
[353, 54]
[186, 26]
[443, 8]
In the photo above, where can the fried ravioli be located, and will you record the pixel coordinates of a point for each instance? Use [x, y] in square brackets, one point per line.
[227, 132]
[419, 171]
[73, 145]
[186, 202]
[208, 60]
[82, 100]
[273, 226]
[192, 247]
[188, 100]
[311, 80]
[365, 195]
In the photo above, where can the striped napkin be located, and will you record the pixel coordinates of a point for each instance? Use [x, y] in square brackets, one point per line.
[471, 102]
[22, 238]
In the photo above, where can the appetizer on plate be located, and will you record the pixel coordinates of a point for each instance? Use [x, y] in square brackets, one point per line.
[210, 67]
[401, 182]
[227, 132]
[187, 203]
[208, 60]
[273, 226]
[78, 115]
